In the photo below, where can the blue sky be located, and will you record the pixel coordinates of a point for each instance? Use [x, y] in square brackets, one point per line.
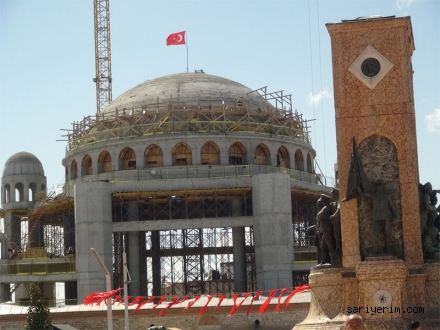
[47, 62]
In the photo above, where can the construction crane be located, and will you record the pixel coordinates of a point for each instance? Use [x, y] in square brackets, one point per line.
[103, 62]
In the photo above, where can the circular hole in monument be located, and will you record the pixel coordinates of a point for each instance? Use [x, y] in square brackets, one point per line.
[370, 67]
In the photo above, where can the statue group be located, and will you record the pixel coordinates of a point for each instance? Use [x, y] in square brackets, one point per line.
[378, 210]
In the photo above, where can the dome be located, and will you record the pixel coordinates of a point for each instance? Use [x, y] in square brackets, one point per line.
[189, 102]
[188, 89]
[23, 163]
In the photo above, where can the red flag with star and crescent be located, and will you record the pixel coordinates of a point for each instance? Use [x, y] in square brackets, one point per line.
[177, 38]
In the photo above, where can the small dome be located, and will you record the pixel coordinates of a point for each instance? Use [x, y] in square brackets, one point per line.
[23, 163]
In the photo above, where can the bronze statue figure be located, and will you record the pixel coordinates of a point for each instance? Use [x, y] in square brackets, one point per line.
[328, 231]
[383, 205]
[429, 222]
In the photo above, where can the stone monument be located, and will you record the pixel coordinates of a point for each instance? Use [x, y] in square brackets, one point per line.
[383, 272]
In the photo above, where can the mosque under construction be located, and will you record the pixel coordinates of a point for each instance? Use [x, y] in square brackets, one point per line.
[208, 185]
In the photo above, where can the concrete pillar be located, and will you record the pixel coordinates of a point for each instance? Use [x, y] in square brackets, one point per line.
[36, 233]
[133, 263]
[5, 294]
[273, 237]
[69, 232]
[12, 229]
[238, 241]
[167, 154]
[139, 151]
[195, 150]
[224, 153]
[133, 255]
[155, 248]
[70, 289]
[93, 229]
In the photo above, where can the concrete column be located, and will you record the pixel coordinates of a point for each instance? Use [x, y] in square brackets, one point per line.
[155, 248]
[12, 228]
[69, 232]
[139, 151]
[93, 229]
[133, 259]
[195, 150]
[133, 263]
[70, 289]
[5, 294]
[273, 237]
[238, 241]
[224, 153]
[167, 154]
[94, 156]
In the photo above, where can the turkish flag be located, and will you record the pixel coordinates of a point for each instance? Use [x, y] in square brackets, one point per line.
[177, 38]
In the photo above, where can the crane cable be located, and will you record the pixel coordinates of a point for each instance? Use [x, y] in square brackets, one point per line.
[320, 77]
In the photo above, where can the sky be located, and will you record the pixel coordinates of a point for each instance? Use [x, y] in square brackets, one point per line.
[47, 62]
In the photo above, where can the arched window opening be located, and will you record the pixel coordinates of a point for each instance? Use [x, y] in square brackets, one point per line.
[309, 164]
[262, 155]
[182, 154]
[7, 193]
[283, 159]
[31, 192]
[153, 156]
[86, 166]
[19, 192]
[127, 159]
[73, 170]
[237, 154]
[104, 162]
[299, 160]
[210, 154]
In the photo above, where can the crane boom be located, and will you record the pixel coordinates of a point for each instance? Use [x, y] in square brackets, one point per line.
[103, 70]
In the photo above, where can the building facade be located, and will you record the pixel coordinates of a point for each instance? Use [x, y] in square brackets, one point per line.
[208, 185]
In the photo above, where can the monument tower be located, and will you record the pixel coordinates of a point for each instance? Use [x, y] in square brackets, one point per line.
[382, 259]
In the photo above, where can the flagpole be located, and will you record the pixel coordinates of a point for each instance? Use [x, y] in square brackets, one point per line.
[186, 45]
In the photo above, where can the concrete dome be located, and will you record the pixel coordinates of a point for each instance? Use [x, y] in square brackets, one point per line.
[23, 163]
[188, 89]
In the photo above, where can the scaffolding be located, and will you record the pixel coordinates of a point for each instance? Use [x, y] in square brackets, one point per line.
[214, 116]
[185, 261]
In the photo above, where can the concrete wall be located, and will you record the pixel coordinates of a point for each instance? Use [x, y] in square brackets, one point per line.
[93, 219]
[213, 319]
[273, 236]
[195, 142]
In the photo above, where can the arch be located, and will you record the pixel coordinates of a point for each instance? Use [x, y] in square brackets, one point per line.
[73, 170]
[299, 160]
[210, 154]
[104, 162]
[309, 164]
[86, 166]
[19, 192]
[7, 193]
[262, 155]
[153, 156]
[182, 154]
[127, 159]
[283, 157]
[237, 154]
[32, 190]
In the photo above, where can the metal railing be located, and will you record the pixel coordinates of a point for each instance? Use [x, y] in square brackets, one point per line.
[199, 171]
